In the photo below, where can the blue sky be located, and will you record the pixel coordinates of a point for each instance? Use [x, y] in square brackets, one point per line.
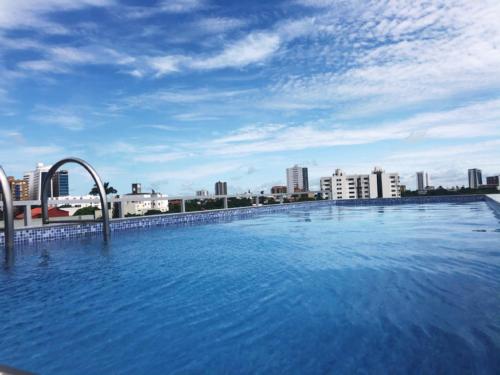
[179, 94]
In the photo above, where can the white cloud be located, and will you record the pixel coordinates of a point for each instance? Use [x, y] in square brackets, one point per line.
[34, 13]
[473, 121]
[219, 24]
[61, 59]
[166, 64]
[63, 118]
[181, 6]
[163, 157]
[254, 48]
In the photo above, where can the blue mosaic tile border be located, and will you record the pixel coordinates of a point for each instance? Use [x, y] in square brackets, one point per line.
[68, 231]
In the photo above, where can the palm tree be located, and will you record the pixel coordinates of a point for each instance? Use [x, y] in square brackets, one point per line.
[107, 188]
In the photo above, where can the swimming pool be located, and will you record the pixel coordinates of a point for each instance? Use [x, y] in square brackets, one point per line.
[373, 289]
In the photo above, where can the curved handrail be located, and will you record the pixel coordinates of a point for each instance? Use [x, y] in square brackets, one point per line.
[97, 181]
[8, 212]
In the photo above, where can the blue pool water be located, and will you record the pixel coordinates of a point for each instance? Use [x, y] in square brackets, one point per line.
[343, 290]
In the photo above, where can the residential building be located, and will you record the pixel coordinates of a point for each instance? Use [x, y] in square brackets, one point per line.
[202, 193]
[493, 180]
[423, 181]
[220, 188]
[60, 184]
[297, 179]
[377, 184]
[19, 189]
[278, 189]
[420, 181]
[144, 202]
[35, 180]
[475, 178]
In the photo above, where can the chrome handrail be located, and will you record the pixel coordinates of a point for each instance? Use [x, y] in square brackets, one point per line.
[8, 212]
[97, 181]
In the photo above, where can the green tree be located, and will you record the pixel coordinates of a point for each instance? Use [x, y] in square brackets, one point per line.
[85, 211]
[107, 188]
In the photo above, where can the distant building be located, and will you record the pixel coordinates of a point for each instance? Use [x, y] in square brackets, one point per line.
[377, 184]
[60, 184]
[423, 181]
[475, 178]
[202, 193]
[420, 181]
[220, 188]
[136, 188]
[19, 189]
[144, 202]
[34, 180]
[493, 180]
[297, 179]
[278, 189]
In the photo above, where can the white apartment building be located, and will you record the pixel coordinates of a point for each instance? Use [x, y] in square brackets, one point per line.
[297, 179]
[34, 179]
[141, 206]
[377, 184]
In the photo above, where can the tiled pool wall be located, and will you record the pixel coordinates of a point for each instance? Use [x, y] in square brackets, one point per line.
[68, 231]
[494, 202]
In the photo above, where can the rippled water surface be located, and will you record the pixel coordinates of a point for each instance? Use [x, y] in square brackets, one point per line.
[369, 290]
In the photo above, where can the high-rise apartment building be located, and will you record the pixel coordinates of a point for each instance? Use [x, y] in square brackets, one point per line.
[19, 189]
[60, 184]
[475, 178]
[38, 177]
[220, 188]
[297, 179]
[423, 181]
[377, 184]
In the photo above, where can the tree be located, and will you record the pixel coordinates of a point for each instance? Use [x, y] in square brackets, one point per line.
[107, 188]
[85, 211]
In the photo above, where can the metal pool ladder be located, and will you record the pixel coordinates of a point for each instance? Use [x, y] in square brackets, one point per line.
[100, 188]
[8, 212]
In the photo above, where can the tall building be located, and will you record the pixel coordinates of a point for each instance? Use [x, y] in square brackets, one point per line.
[38, 176]
[297, 179]
[475, 178]
[420, 181]
[220, 188]
[19, 189]
[423, 181]
[60, 184]
[377, 184]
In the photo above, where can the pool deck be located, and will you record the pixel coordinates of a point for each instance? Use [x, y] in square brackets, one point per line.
[66, 231]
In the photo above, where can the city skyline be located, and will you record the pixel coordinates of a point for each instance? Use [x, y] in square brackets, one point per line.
[180, 94]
